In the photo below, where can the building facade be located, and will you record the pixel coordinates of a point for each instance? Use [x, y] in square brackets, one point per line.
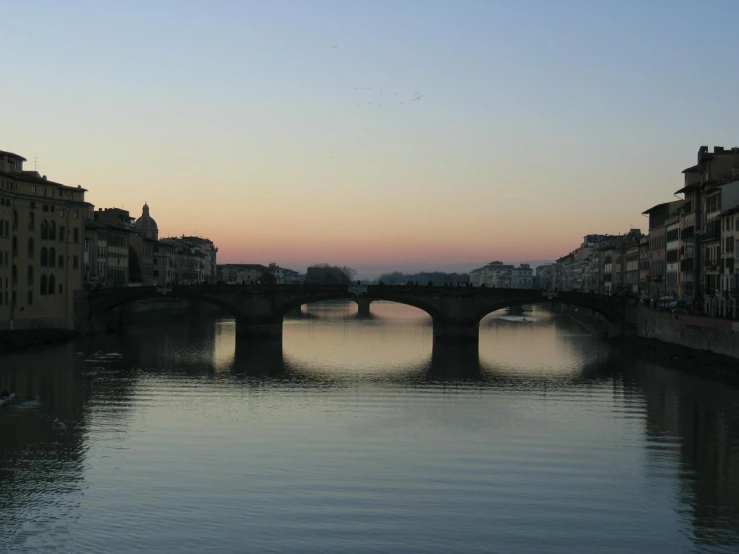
[42, 226]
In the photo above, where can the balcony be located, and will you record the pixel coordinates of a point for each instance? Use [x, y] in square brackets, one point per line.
[687, 265]
[710, 264]
[688, 233]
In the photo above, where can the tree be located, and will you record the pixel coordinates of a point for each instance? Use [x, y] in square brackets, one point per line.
[327, 274]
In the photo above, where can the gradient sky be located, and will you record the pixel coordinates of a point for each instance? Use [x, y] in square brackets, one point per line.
[540, 122]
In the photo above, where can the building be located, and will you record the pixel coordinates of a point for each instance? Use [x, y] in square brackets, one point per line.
[284, 276]
[644, 266]
[729, 299]
[584, 263]
[658, 217]
[195, 260]
[164, 260]
[700, 275]
[146, 225]
[545, 277]
[689, 225]
[522, 277]
[95, 254]
[718, 198]
[672, 253]
[141, 259]
[118, 229]
[42, 228]
[564, 274]
[632, 267]
[495, 274]
[142, 242]
[236, 274]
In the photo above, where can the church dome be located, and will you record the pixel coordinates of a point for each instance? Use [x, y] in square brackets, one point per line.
[146, 225]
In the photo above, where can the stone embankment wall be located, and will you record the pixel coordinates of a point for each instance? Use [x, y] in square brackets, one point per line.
[589, 319]
[720, 336]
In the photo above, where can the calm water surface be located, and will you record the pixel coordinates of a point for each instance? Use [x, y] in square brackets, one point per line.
[357, 436]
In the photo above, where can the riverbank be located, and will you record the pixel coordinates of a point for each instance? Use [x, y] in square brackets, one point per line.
[684, 358]
[13, 341]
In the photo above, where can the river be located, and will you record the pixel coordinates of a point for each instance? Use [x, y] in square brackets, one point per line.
[356, 435]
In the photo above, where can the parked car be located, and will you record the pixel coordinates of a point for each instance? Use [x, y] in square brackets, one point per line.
[667, 303]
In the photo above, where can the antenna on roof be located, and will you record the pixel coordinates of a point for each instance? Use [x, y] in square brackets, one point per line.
[35, 164]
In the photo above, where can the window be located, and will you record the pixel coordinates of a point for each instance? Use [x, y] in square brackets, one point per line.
[30, 247]
[44, 230]
[43, 285]
[61, 288]
[76, 262]
[15, 275]
[52, 230]
[30, 297]
[61, 261]
[61, 233]
[31, 221]
[76, 235]
[29, 274]
[15, 246]
[15, 219]
[33, 188]
[52, 285]
[61, 213]
[52, 256]
[44, 257]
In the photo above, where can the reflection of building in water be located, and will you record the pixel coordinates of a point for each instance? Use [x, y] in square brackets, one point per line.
[42, 451]
[701, 419]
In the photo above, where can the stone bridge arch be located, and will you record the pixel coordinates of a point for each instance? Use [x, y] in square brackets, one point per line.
[606, 311]
[426, 307]
[101, 305]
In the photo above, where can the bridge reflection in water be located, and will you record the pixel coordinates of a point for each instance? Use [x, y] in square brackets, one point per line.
[53, 472]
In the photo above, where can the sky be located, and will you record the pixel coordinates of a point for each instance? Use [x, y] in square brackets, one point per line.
[381, 135]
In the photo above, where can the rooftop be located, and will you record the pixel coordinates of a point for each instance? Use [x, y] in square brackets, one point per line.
[35, 177]
[730, 211]
[656, 208]
[3, 153]
[687, 188]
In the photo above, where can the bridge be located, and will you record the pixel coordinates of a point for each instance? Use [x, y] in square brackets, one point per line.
[259, 310]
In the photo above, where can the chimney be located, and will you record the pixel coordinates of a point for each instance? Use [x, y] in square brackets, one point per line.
[44, 177]
[718, 149]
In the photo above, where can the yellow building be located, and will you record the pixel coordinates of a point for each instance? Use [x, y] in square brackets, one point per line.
[41, 247]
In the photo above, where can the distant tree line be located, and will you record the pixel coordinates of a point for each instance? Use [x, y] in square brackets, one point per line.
[327, 274]
[436, 278]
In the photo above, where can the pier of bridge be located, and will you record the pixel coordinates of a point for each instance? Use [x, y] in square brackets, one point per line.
[259, 310]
